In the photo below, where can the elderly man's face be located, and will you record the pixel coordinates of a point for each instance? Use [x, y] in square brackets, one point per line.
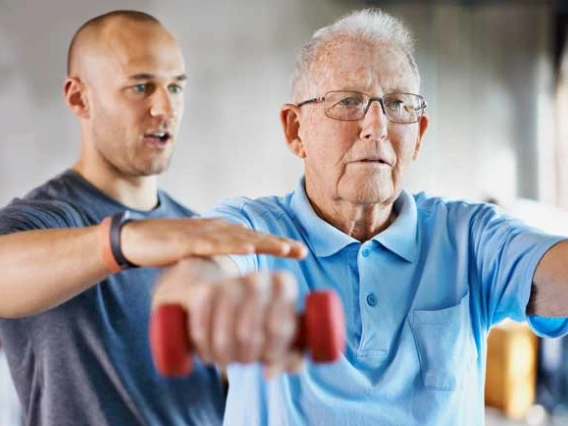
[135, 83]
[365, 161]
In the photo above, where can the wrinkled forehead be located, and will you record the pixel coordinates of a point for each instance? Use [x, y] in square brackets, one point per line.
[363, 66]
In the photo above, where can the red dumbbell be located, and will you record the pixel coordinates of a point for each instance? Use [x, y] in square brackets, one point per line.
[321, 329]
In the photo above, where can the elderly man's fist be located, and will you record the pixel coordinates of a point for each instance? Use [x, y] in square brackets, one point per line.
[247, 319]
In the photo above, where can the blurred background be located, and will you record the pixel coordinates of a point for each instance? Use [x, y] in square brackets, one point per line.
[495, 74]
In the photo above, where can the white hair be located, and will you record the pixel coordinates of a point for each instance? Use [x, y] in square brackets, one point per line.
[367, 25]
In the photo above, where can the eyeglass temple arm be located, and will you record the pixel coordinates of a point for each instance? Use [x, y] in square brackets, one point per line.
[311, 101]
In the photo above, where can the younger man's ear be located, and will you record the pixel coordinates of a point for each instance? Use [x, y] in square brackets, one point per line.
[75, 97]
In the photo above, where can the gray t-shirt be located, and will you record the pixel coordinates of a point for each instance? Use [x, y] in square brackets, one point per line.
[87, 361]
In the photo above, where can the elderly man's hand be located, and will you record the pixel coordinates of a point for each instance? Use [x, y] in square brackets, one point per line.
[244, 319]
[161, 242]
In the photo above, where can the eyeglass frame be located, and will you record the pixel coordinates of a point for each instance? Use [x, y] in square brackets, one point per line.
[423, 104]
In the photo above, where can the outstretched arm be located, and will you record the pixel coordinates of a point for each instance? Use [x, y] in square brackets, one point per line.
[44, 268]
[549, 295]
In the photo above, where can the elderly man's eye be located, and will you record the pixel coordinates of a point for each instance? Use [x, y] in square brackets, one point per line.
[349, 102]
[395, 104]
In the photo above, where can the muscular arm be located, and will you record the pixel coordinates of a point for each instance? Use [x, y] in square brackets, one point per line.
[41, 269]
[549, 295]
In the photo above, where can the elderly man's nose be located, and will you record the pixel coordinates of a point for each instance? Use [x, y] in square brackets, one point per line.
[375, 121]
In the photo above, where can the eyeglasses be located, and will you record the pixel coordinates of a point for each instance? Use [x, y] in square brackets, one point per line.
[344, 105]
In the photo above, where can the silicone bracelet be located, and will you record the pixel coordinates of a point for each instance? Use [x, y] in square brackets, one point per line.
[106, 250]
[116, 224]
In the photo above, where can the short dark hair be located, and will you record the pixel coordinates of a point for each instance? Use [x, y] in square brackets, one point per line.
[100, 20]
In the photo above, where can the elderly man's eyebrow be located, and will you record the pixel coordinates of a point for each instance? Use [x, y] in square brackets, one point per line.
[397, 89]
[147, 76]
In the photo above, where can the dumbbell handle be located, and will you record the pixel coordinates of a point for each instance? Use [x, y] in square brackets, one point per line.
[321, 329]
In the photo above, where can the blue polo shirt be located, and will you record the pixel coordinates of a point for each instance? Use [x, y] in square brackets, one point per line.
[419, 300]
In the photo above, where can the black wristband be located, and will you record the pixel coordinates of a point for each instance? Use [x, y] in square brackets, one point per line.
[117, 222]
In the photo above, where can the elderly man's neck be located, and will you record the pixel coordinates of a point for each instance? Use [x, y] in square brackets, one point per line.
[360, 221]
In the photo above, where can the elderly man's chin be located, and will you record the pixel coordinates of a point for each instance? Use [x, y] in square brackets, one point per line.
[370, 193]
[375, 188]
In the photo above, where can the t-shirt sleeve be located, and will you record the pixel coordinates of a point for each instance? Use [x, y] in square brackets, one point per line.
[23, 215]
[507, 253]
[234, 211]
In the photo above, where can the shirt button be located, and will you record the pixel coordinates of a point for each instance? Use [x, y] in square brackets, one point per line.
[371, 299]
[366, 252]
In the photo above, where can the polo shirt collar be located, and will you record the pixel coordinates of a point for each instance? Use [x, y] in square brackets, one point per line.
[400, 236]
[326, 240]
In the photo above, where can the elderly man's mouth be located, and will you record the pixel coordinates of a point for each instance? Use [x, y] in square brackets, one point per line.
[371, 161]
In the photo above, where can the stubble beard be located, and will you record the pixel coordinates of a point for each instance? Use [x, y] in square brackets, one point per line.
[129, 159]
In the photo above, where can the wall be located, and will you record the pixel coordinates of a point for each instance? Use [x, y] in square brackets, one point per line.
[485, 71]
[486, 74]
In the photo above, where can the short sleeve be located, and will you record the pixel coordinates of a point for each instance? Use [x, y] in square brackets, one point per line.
[22, 215]
[507, 253]
[234, 211]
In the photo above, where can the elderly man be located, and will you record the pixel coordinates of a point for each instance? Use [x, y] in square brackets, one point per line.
[422, 279]
[75, 311]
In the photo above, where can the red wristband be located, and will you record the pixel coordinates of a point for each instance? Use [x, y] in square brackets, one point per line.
[106, 250]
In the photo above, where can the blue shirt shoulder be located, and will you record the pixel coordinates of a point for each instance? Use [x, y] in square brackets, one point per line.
[419, 298]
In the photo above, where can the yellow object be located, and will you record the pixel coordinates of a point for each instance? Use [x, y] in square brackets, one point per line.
[510, 381]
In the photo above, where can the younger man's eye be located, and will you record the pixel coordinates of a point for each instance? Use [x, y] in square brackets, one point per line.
[175, 88]
[140, 88]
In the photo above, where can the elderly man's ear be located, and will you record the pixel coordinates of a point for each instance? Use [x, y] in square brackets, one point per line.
[290, 120]
[422, 126]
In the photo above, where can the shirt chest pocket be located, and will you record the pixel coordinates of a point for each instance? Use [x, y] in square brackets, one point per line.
[445, 344]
